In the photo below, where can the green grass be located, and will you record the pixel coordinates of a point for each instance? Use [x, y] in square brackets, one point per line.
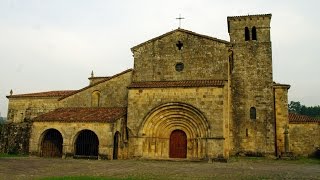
[87, 178]
[4, 155]
[304, 160]
[78, 178]
[297, 160]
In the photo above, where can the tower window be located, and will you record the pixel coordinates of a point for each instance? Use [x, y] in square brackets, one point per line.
[253, 113]
[254, 33]
[246, 34]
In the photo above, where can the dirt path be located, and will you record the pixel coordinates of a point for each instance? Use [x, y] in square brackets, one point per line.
[34, 168]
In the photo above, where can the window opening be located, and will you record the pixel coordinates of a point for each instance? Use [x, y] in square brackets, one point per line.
[179, 67]
[246, 34]
[253, 113]
[254, 33]
[179, 45]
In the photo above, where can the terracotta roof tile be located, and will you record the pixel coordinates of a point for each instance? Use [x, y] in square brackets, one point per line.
[44, 94]
[83, 114]
[297, 118]
[87, 87]
[189, 83]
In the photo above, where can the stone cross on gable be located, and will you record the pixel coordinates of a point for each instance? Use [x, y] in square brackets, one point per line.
[180, 18]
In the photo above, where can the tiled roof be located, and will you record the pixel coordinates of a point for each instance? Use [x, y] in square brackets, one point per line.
[181, 30]
[297, 118]
[190, 83]
[99, 82]
[44, 94]
[83, 114]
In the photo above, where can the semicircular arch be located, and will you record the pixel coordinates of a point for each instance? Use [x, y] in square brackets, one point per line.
[51, 143]
[164, 119]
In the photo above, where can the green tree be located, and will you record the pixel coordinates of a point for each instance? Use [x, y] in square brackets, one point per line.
[298, 108]
[295, 107]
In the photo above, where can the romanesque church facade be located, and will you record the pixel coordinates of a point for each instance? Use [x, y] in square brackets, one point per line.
[188, 96]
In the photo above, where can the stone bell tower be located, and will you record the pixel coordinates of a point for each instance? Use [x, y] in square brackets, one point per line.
[252, 111]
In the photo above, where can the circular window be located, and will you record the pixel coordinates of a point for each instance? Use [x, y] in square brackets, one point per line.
[179, 66]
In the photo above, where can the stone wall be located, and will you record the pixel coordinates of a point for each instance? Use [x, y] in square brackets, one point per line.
[70, 131]
[25, 108]
[14, 138]
[251, 86]
[211, 102]
[113, 93]
[282, 115]
[203, 58]
[304, 138]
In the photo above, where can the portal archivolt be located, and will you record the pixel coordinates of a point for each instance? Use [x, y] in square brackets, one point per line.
[167, 118]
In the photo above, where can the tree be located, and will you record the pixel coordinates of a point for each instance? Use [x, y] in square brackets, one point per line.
[295, 107]
[298, 108]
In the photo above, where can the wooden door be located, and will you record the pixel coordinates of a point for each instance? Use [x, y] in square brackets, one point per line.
[52, 144]
[178, 144]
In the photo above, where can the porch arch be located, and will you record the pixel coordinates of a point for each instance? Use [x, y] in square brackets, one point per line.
[86, 144]
[51, 143]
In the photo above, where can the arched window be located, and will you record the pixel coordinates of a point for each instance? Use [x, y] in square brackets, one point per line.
[254, 33]
[246, 34]
[95, 99]
[253, 113]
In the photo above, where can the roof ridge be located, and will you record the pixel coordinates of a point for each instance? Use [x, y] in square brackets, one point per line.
[181, 30]
[42, 94]
[87, 87]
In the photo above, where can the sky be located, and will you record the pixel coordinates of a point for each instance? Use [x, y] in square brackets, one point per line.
[55, 44]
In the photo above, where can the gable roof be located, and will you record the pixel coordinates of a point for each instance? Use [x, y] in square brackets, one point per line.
[180, 30]
[83, 114]
[187, 83]
[297, 118]
[43, 94]
[99, 82]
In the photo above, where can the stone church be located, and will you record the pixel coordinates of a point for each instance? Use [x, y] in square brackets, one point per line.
[188, 96]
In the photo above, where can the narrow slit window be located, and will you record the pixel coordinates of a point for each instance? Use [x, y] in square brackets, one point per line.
[254, 33]
[253, 113]
[246, 34]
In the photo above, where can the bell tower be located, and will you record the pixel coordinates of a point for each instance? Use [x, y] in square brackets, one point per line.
[252, 111]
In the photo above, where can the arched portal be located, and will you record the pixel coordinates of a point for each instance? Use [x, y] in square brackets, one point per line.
[171, 119]
[178, 144]
[51, 145]
[87, 145]
[116, 139]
